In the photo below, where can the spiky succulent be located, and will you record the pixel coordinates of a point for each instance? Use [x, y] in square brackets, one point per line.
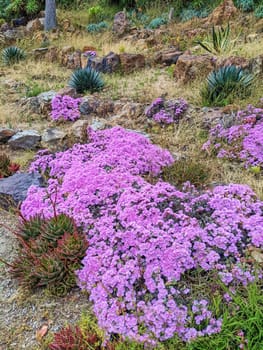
[12, 55]
[86, 79]
[225, 83]
[218, 42]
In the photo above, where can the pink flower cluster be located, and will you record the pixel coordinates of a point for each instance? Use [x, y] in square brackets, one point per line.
[243, 140]
[146, 239]
[65, 107]
[166, 112]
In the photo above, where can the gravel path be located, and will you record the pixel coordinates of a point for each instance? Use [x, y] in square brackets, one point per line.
[21, 313]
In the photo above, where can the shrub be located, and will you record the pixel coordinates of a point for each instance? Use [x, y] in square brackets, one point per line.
[12, 55]
[65, 107]
[150, 243]
[97, 27]
[226, 83]
[219, 41]
[166, 112]
[245, 5]
[86, 79]
[7, 168]
[19, 8]
[185, 170]
[95, 13]
[50, 251]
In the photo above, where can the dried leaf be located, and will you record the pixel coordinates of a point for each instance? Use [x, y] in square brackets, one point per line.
[40, 333]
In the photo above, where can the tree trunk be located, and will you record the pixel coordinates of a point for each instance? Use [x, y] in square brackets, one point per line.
[50, 15]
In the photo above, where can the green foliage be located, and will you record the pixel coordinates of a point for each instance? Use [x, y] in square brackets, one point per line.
[97, 27]
[50, 250]
[96, 14]
[245, 5]
[3, 6]
[34, 90]
[259, 11]
[7, 168]
[12, 55]
[219, 41]
[226, 83]
[157, 22]
[190, 13]
[86, 79]
[19, 8]
[184, 170]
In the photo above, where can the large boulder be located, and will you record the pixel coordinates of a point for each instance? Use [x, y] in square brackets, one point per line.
[121, 24]
[189, 67]
[28, 139]
[223, 13]
[97, 106]
[15, 187]
[52, 137]
[131, 62]
[241, 62]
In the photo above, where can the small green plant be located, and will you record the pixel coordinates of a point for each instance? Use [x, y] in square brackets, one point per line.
[86, 79]
[97, 27]
[7, 168]
[157, 22]
[12, 55]
[245, 5]
[226, 83]
[219, 41]
[95, 13]
[34, 90]
[185, 170]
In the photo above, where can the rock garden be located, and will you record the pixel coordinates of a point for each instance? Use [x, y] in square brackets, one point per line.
[131, 187]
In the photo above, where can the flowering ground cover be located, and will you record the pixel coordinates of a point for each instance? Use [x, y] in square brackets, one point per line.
[148, 242]
[65, 108]
[241, 140]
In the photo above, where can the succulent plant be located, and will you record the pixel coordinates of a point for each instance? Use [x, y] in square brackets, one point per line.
[50, 251]
[12, 55]
[226, 82]
[72, 338]
[219, 41]
[7, 168]
[86, 79]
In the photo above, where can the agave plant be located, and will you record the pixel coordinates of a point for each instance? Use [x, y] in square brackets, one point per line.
[219, 41]
[224, 82]
[87, 79]
[12, 54]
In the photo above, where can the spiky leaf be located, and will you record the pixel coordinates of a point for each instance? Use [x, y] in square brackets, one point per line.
[86, 79]
[12, 55]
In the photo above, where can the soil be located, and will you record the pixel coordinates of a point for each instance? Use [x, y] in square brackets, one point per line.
[23, 313]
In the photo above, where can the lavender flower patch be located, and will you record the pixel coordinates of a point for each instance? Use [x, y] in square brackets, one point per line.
[146, 239]
[65, 108]
[166, 112]
[242, 141]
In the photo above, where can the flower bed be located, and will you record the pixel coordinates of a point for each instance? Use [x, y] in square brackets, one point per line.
[148, 241]
[65, 108]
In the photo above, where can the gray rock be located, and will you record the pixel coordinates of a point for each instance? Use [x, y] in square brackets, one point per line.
[79, 129]
[30, 105]
[6, 134]
[97, 125]
[53, 136]
[107, 64]
[18, 184]
[28, 139]
[46, 96]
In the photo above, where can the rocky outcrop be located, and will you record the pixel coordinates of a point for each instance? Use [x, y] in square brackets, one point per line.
[121, 24]
[167, 57]
[131, 62]
[189, 67]
[223, 13]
